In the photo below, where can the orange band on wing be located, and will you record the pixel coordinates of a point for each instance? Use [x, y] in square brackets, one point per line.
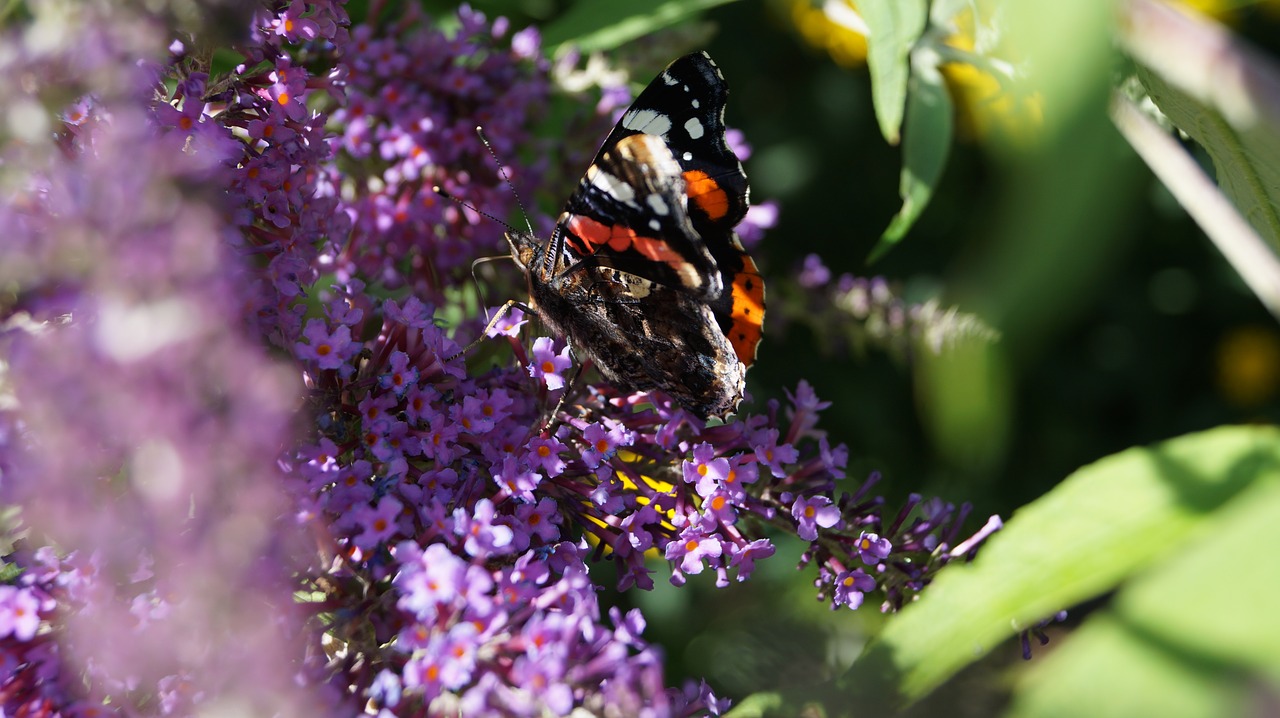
[706, 193]
[619, 239]
[748, 312]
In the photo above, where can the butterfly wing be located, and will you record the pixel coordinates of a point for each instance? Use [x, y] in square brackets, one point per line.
[665, 190]
[629, 212]
[684, 105]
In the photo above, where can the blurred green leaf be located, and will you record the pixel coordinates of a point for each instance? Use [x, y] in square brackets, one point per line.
[1179, 641]
[1246, 161]
[757, 705]
[895, 27]
[926, 143]
[1228, 621]
[591, 26]
[1109, 670]
[966, 401]
[944, 12]
[1103, 524]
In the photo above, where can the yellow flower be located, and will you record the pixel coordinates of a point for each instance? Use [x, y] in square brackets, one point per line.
[988, 106]
[835, 27]
[1249, 365]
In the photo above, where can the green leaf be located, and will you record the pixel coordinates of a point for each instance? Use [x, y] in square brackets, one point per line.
[1246, 161]
[1104, 523]
[926, 143]
[1184, 640]
[895, 27]
[1226, 620]
[944, 12]
[1107, 670]
[592, 26]
[757, 705]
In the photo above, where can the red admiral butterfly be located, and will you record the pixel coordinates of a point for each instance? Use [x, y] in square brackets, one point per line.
[644, 273]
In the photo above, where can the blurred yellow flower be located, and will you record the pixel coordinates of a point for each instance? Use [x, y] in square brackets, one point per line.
[986, 106]
[989, 106]
[835, 26]
[1228, 10]
[636, 462]
[1249, 365]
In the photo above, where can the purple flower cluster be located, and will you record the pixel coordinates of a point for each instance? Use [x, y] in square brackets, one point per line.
[259, 121]
[448, 501]
[142, 422]
[425, 549]
[871, 312]
[414, 96]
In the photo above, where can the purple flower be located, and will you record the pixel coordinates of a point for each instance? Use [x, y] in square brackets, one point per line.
[459, 649]
[377, 523]
[19, 613]
[872, 549]
[526, 43]
[329, 350]
[400, 375]
[424, 671]
[760, 218]
[851, 587]
[744, 557]
[509, 323]
[543, 680]
[743, 470]
[541, 519]
[706, 471]
[720, 505]
[545, 454]
[516, 479]
[480, 534]
[385, 689]
[602, 442]
[691, 549]
[546, 364]
[814, 512]
[428, 579]
[814, 274]
[772, 454]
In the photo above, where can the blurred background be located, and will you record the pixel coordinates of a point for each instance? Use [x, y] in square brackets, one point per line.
[1118, 323]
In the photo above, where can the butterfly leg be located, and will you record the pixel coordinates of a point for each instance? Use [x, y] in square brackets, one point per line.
[497, 317]
[553, 420]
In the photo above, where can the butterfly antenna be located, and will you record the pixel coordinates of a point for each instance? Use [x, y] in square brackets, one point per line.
[445, 193]
[502, 172]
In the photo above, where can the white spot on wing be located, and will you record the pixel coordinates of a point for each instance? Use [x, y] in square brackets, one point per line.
[694, 128]
[687, 156]
[658, 205]
[696, 104]
[610, 185]
[647, 121]
[655, 225]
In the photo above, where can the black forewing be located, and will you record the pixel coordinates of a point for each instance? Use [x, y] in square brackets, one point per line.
[629, 212]
[685, 106]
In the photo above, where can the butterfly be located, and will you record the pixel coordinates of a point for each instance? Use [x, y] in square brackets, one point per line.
[644, 273]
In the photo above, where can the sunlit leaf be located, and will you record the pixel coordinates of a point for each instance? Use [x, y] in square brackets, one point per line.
[1104, 523]
[895, 27]
[1246, 161]
[926, 143]
[1179, 641]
